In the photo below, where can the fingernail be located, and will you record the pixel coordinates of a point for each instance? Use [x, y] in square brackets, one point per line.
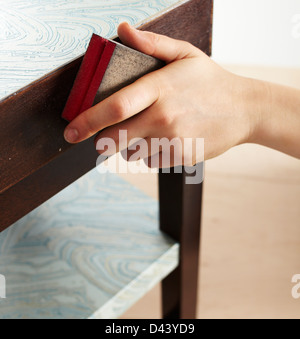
[71, 135]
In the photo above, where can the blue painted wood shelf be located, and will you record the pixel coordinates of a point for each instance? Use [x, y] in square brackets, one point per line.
[89, 252]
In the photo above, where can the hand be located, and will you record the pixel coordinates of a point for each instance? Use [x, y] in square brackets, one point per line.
[191, 97]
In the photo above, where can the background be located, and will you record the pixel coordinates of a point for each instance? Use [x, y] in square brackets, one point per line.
[257, 32]
[251, 209]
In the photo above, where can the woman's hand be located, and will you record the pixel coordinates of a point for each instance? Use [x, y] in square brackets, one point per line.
[191, 97]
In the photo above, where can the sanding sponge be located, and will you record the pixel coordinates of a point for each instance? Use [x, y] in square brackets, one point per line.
[107, 67]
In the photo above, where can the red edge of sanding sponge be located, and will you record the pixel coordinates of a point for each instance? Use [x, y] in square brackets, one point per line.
[89, 77]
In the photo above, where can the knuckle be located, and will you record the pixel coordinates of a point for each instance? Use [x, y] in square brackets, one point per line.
[119, 109]
[187, 50]
[153, 42]
[187, 45]
[88, 123]
[155, 81]
[164, 119]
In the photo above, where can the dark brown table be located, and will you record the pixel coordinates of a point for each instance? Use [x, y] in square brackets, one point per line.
[31, 132]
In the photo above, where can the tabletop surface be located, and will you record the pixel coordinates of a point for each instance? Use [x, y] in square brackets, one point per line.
[39, 36]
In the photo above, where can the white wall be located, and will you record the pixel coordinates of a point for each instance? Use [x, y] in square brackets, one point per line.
[259, 32]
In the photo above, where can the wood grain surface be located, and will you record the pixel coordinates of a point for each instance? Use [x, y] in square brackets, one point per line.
[36, 162]
[33, 153]
[37, 37]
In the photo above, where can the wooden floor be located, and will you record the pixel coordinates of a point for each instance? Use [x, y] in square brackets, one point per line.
[251, 229]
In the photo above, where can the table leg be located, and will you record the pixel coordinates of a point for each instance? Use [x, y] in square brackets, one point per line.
[180, 215]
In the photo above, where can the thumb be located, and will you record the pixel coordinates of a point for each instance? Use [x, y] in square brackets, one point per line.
[158, 46]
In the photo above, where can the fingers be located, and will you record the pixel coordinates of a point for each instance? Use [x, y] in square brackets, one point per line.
[123, 135]
[135, 98]
[159, 46]
[133, 134]
[119, 107]
[156, 152]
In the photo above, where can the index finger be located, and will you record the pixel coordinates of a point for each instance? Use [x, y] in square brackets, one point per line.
[118, 107]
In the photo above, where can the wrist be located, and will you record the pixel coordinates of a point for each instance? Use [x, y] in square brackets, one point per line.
[256, 108]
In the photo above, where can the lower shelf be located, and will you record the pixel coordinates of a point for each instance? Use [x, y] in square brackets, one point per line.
[90, 252]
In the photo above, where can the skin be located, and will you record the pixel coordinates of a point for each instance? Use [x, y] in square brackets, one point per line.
[193, 97]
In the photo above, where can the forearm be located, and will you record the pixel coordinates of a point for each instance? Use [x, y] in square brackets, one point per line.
[277, 118]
